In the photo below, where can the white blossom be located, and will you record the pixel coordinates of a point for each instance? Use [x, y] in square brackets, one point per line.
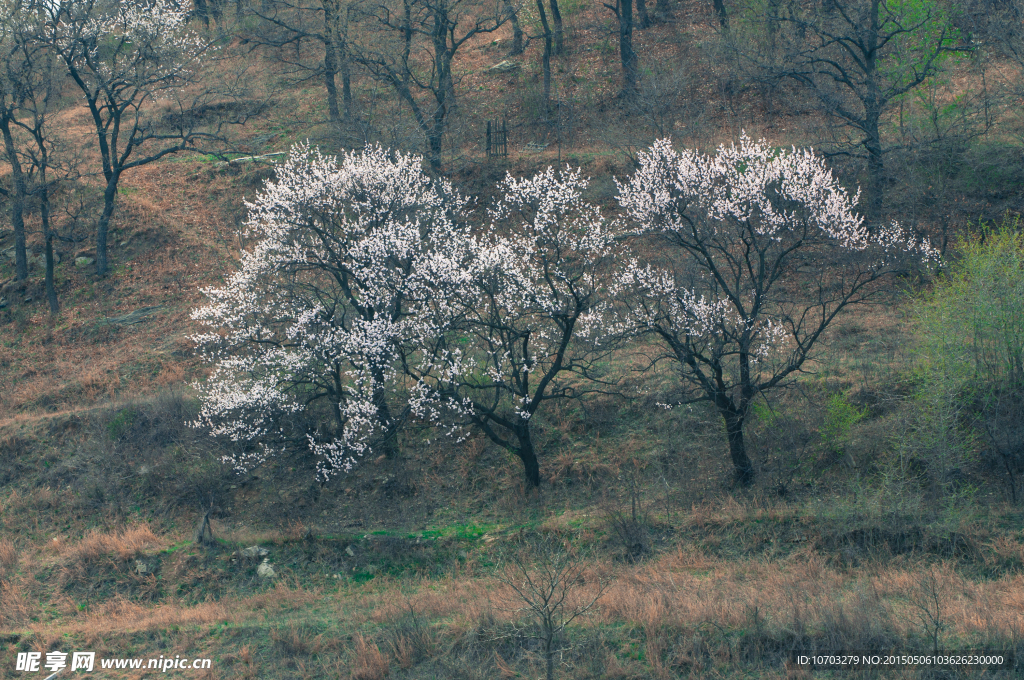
[535, 309]
[749, 254]
[355, 262]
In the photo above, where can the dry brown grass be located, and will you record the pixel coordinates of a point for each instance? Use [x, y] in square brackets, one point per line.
[16, 606]
[460, 601]
[683, 601]
[129, 614]
[121, 614]
[126, 544]
[282, 596]
[9, 557]
[692, 613]
[178, 223]
[295, 642]
[683, 590]
[370, 663]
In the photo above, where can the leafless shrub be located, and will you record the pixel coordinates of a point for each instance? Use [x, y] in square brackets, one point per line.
[928, 602]
[628, 520]
[549, 579]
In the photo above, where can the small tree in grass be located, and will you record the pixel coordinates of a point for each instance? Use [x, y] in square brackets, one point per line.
[748, 256]
[549, 580]
[357, 260]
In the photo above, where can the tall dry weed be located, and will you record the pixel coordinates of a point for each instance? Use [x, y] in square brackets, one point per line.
[282, 596]
[370, 663]
[9, 557]
[15, 604]
[244, 656]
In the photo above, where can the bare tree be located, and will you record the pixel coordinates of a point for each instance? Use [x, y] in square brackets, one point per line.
[412, 46]
[643, 19]
[556, 18]
[997, 26]
[623, 10]
[662, 11]
[286, 23]
[546, 59]
[41, 88]
[858, 58]
[31, 84]
[548, 577]
[517, 29]
[15, 71]
[721, 13]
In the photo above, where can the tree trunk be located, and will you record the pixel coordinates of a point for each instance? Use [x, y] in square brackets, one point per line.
[723, 16]
[443, 55]
[873, 102]
[876, 177]
[628, 56]
[737, 449]
[330, 72]
[345, 64]
[556, 16]
[434, 143]
[217, 11]
[549, 655]
[44, 215]
[202, 12]
[546, 60]
[388, 422]
[331, 59]
[663, 11]
[643, 21]
[203, 535]
[529, 457]
[17, 204]
[517, 30]
[103, 226]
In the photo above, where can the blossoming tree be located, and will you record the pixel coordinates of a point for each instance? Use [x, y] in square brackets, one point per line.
[750, 255]
[532, 320]
[356, 261]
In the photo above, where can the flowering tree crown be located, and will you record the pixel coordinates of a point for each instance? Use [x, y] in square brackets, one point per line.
[765, 249]
[334, 295]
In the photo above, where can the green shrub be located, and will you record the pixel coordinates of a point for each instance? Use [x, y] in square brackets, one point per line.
[972, 322]
[971, 354]
[840, 417]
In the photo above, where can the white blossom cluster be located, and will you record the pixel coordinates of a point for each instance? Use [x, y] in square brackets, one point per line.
[549, 240]
[356, 260]
[739, 215]
[129, 44]
[771, 191]
[535, 278]
[367, 297]
[691, 314]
